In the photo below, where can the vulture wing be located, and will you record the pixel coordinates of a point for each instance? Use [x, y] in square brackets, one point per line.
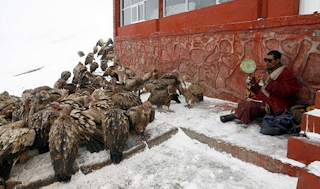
[64, 146]
[13, 142]
[115, 128]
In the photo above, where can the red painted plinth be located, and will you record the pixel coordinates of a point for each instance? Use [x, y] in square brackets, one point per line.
[310, 121]
[308, 180]
[303, 150]
[318, 99]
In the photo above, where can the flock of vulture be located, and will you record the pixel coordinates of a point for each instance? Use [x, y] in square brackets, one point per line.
[99, 112]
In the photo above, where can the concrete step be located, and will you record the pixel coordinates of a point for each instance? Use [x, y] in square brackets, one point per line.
[265, 161]
[311, 121]
[308, 179]
[303, 150]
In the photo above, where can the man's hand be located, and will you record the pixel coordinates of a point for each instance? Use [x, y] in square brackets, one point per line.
[266, 78]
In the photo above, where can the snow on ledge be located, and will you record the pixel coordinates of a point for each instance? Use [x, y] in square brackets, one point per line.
[314, 168]
[315, 112]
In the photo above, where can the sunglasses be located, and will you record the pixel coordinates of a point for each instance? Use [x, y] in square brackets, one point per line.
[268, 60]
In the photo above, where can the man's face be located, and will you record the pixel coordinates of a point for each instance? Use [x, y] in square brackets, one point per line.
[273, 62]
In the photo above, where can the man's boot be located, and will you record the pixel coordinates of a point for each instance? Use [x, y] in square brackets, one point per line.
[229, 117]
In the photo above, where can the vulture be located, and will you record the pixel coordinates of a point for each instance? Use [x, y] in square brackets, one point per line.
[41, 122]
[99, 104]
[76, 72]
[152, 85]
[111, 71]
[93, 66]
[65, 75]
[80, 53]
[64, 144]
[3, 120]
[104, 65]
[123, 99]
[151, 75]
[115, 129]
[123, 73]
[140, 117]
[126, 99]
[100, 43]
[14, 144]
[89, 59]
[95, 49]
[192, 91]
[172, 79]
[109, 41]
[102, 51]
[7, 104]
[99, 82]
[89, 133]
[62, 84]
[133, 84]
[162, 97]
[108, 56]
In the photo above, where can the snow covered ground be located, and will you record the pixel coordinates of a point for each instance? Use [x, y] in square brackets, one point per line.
[46, 35]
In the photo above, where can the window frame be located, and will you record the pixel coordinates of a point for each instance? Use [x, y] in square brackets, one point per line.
[138, 11]
[187, 6]
[143, 3]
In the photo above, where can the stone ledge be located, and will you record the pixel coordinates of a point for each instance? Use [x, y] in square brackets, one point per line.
[303, 150]
[269, 163]
[311, 121]
[98, 165]
[308, 180]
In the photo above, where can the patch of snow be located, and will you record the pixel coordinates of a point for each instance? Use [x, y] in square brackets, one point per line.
[314, 168]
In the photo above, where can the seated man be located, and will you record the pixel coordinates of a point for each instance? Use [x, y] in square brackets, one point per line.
[275, 90]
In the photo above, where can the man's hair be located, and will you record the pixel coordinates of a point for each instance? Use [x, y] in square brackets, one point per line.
[276, 54]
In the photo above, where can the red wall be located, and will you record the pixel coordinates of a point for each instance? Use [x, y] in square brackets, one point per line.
[282, 8]
[230, 12]
[139, 29]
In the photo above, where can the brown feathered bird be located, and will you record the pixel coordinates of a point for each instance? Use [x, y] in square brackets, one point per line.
[7, 104]
[134, 84]
[123, 99]
[104, 65]
[162, 97]
[13, 143]
[89, 59]
[151, 75]
[65, 75]
[111, 71]
[41, 122]
[115, 129]
[62, 84]
[80, 53]
[95, 49]
[3, 120]
[171, 79]
[108, 55]
[192, 91]
[152, 85]
[93, 66]
[100, 43]
[90, 134]
[79, 68]
[102, 50]
[63, 144]
[140, 117]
